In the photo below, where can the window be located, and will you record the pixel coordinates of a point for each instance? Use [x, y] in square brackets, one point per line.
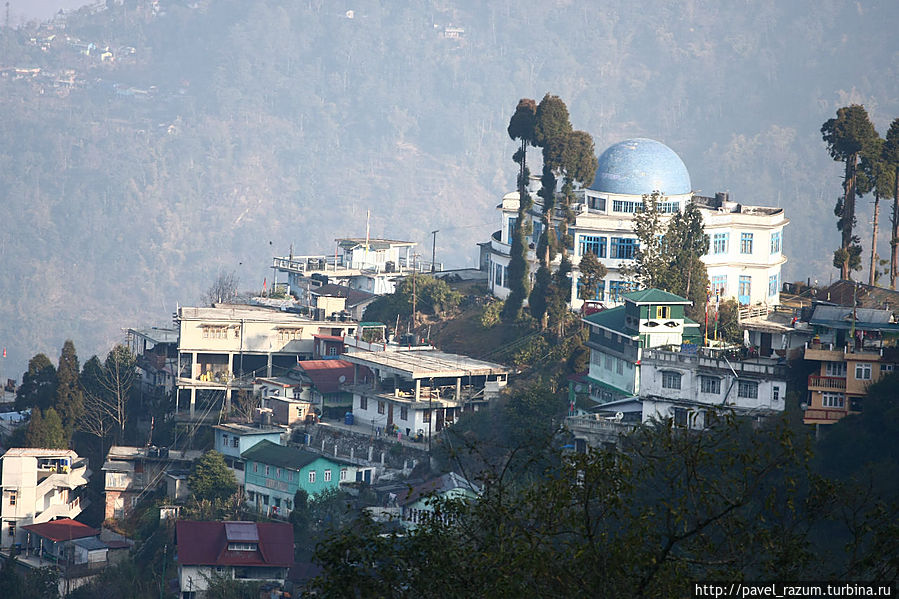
[290, 475]
[593, 243]
[668, 207]
[680, 417]
[619, 366]
[886, 367]
[618, 289]
[12, 529]
[255, 467]
[745, 243]
[498, 276]
[671, 380]
[775, 394]
[835, 369]
[609, 365]
[241, 546]
[381, 409]
[363, 403]
[277, 473]
[510, 234]
[775, 242]
[745, 287]
[663, 311]
[332, 350]
[343, 474]
[289, 334]
[426, 416]
[623, 248]
[833, 400]
[267, 469]
[748, 389]
[719, 243]
[215, 332]
[863, 371]
[596, 203]
[710, 384]
[327, 476]
[772, 285]
[13, 496]
[718, 283]
[404, 413]
[600, 289]
[624, 206]
[235, 441]
[312, 476]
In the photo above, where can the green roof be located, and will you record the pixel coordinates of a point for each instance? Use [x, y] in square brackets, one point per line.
[612, 319]
[654, 296]
[689, 322]
[266, 452]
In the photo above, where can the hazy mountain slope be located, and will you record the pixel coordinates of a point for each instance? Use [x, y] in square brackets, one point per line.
[268, 124]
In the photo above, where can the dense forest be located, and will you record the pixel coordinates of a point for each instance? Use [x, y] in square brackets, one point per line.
[162, 141]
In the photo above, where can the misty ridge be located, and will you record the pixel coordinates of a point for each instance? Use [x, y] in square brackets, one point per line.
[145, 146]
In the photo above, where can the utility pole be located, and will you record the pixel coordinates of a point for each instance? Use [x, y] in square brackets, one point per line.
[434, 250]
[414, 314]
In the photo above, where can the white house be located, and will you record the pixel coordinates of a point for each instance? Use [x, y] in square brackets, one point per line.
[745, 242]
[224, 348]
[418, 391]
[39, 485]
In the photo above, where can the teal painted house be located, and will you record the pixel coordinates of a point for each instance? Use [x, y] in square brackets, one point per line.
[274, 473]
[649, 318]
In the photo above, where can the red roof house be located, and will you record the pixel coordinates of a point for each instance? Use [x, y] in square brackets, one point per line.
[240, 550]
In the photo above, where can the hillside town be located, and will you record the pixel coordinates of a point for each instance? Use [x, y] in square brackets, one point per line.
[296, 395]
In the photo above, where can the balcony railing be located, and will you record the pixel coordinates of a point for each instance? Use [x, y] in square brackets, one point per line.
[827, 382]
[827, 415]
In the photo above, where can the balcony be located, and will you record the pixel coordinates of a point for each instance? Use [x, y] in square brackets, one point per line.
[823, 415]
[826, 383]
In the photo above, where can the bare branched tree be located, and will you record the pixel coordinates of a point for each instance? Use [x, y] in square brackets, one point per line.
[105, 407]
[223, 289]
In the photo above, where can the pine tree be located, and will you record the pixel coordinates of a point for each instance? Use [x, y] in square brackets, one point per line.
[890, 155]
[521, 127]
[875, 176]
[38, 386]
[69, 394]
[848, 136]
[592, 272]
[45, 430]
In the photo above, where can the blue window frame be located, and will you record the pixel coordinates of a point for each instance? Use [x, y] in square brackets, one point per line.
[718, 284]
[745, 290]
[745, 243]
[623, 248]
[775, 242]
[511, 232]
[618, 288]
[593, 243]
[498, 275]
[772, 285]
[600, 290]
[719, 243]
[624, 206]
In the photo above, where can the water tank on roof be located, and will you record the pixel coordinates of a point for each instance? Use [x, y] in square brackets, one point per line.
[348, 418]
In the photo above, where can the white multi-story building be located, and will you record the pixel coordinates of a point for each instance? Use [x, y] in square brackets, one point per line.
[745, 242]
[223, 349]
[366, 264]
[39, 485]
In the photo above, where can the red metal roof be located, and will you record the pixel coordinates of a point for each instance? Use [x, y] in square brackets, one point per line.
[328, 337]
[63, 529]
[206, 544]
[325, 374]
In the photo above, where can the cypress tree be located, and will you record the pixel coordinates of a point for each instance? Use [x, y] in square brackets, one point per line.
[69, 394]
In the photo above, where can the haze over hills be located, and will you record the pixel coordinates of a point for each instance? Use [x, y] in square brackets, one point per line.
[223, 132]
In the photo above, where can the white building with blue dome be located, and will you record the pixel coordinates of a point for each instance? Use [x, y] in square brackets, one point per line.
[745, 242]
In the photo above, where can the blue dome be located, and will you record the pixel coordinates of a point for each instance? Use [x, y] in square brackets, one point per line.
[639, 166]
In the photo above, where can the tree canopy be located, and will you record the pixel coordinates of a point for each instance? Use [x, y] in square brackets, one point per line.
[210, 478]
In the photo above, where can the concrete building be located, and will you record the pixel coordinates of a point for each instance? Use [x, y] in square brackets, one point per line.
[223, 349]
[853, 349]
[39, 485]
[619, 336]
[156, 350]
[131, 473]
[372, 265]
[745, 242]
[419, 390]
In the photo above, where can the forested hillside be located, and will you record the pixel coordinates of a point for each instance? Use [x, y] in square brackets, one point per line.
[215, 134]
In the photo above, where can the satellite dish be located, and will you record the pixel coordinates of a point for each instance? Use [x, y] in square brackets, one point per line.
[619, 416]
[342, 379]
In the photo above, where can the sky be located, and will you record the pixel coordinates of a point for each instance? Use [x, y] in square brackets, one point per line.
[21, 11]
